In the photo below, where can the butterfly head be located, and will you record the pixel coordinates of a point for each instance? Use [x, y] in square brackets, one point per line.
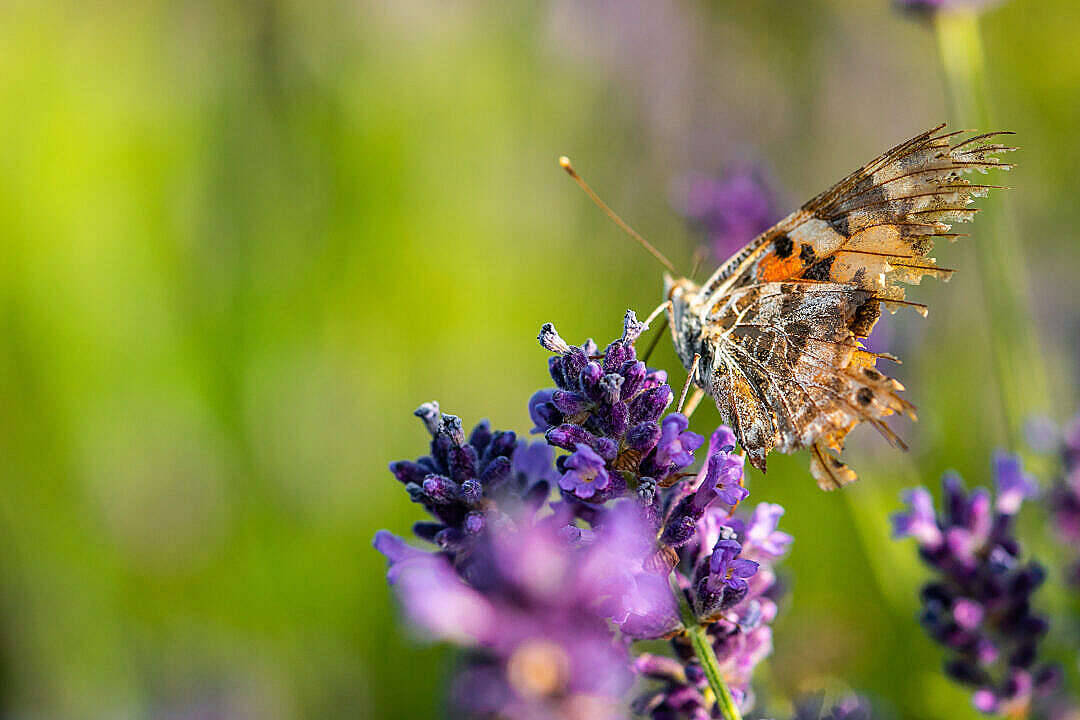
[685, 321]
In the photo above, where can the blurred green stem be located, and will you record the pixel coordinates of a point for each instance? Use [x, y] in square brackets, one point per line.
[699, 640]
[1020, 375]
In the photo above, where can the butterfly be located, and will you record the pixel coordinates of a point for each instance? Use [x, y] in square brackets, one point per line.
[775, 334]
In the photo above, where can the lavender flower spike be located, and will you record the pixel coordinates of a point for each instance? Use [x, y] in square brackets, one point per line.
[980, 605]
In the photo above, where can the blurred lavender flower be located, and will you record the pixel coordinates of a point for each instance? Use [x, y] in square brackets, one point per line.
[1063, 500]
[851, 707]
[540, 652]
[980, 606]
[933, 6]
[731, 209]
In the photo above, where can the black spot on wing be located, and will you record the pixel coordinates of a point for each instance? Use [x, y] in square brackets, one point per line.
[865, 396]
[783, 246]
[820, 270]
[807, 254]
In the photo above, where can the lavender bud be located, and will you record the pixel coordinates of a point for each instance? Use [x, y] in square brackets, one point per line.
[650, 404]
[569, 403]
[550, 340]
[441, 489]
[634, 372]
[589, 379]
[429, 414]
[557, 369]
[496, 472]
[568, 436]
[451, 427]
[610, 385]
[643, 437]
[462, 461]
[408, 472]
[632, 328]
[616, 355]
[450, 539]
[480, 436]
[618, 419]
[573, 363]
[471, 491]
[416, 493]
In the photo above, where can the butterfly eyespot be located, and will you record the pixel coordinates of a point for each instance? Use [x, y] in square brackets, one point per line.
[865, 396]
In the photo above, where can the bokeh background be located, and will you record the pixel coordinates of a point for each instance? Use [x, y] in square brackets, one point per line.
[243, 240]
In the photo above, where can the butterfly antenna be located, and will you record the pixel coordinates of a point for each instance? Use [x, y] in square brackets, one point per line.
[564, 162]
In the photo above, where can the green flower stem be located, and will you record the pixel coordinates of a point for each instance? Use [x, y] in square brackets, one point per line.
[1017, 360]
[703, 648]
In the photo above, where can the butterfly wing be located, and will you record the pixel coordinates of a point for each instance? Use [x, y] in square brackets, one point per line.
[785, 314]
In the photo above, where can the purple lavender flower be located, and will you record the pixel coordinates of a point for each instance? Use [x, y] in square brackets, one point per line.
[535, 595]
[720, 479]
[732, 209]
[463, 481]
[730, 587]
[676, 445]
[610, 403]
[542, 648]
[585, 473]
[980, 605]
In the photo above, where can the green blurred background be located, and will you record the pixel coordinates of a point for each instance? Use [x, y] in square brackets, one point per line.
[242, 241]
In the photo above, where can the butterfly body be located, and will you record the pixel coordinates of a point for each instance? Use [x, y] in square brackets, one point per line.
[778, 327]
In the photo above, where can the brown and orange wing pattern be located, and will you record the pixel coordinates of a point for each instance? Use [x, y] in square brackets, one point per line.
[782, 361]
[786, 314]
[876, 227]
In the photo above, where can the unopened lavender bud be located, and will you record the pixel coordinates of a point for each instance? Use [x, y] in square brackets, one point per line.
[441, 489]
[429, 414]
[618, 419]
[568, 436]
[632, 328]
[589, 379]
[649, 405]
[496, 472]
[557, 369]
[633, 373]
[570, 403]
[573, 363]
[463, 462]
[550, 340]
[416, 493]
[408, 472]
[471, 491]
[502, 445]
[451, 427]
[610, 386]
[616, 354]
[643, 437]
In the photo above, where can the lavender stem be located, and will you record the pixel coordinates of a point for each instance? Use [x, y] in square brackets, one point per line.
[706, 655]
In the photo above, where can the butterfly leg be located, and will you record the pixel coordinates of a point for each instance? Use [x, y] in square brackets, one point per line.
[693, 401]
